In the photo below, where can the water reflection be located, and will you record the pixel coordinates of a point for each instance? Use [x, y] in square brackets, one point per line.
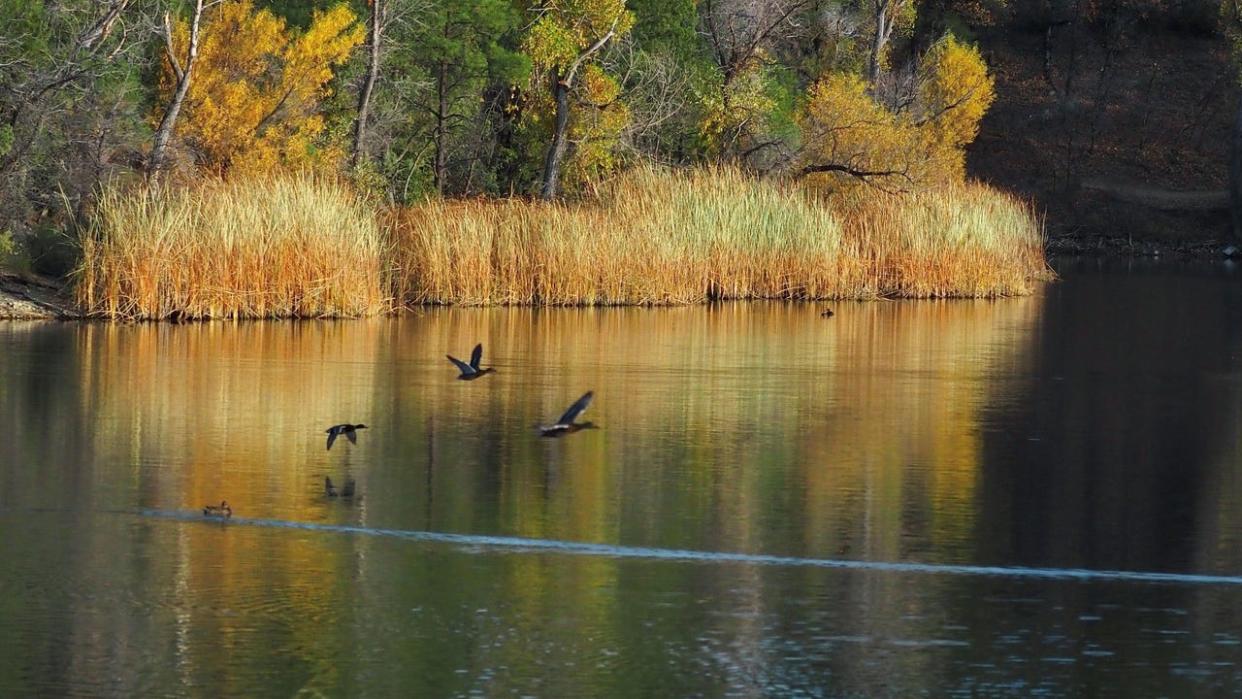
[1063, 429]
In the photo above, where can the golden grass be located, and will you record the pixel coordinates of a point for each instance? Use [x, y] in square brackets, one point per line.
[649, 238]
[274, 247]
[658, 237]
[964, 241]
[304, 247]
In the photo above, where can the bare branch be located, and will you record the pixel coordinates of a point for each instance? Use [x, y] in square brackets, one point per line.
[169, 52]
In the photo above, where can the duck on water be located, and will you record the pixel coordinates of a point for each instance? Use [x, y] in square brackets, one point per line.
[222, 511]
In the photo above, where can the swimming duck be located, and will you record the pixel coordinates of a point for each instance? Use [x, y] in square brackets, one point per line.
[565, 424]
[471, 371]
[348, 490]
[350, 432]
[328, 488]
[827, 314]
[223, 511]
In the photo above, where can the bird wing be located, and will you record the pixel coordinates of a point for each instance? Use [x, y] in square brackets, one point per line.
[331, 436]
[476, 356]
[352, 436]
[463, 367]
[576, 409]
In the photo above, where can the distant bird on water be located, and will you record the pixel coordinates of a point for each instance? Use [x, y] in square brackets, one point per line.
[350, 432]
[827, 314]
[565, 424]
[471, 371]
[223, 511]
[330, 490]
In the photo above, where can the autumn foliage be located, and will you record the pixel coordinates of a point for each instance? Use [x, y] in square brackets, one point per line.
[850, 137]
[254, 102]
[566, 36]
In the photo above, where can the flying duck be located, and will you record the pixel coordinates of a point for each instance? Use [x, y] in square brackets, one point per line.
[350, 432]
[471, 371]
[565, 424]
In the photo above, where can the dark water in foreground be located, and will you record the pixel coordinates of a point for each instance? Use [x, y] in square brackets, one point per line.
[778, 504]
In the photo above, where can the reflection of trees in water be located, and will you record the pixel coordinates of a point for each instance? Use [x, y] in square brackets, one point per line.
[725, 428]
[1108, 459]
[1122, 452]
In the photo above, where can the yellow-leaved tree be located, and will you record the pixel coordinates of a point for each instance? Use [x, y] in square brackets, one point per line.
[564, 45]
[954, 92]
[253, 104]
[849, 137]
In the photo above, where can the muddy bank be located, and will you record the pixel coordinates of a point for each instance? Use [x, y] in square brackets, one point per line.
[29, 297]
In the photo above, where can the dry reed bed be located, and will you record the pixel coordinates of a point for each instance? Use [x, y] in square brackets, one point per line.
[666, 238]
[300, 246]
[649, 239]
[261, 248]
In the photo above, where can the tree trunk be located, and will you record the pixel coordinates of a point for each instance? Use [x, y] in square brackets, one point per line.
[879, 41]
[368, 87]
[441, 163]
[562, 83]
[556, 150]
[165, 130]
[1235, 175]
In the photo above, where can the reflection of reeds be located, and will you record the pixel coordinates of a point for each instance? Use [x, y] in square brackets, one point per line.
[715, 414]
[250, 248]
[734, 427]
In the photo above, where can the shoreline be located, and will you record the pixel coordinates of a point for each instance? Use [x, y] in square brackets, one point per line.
[32, 297]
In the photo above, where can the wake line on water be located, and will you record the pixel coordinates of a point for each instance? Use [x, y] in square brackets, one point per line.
[514, 543]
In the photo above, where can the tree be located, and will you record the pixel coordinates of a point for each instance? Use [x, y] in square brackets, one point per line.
[953, 92]
[564, 40]
[69, 106]
[374, 34]
[848, 133]
[740, 98]
[254, 101]
[183, 74]
[459, 47]
[886, 15]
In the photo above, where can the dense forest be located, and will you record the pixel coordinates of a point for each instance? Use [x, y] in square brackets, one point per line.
[413, 99]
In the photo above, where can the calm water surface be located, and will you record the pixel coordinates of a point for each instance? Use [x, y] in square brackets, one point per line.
[1095, 426]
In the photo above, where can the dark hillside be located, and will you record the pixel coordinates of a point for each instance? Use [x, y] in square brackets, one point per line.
[1107, 133]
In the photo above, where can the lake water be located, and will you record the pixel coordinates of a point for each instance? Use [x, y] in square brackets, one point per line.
[1028, 497]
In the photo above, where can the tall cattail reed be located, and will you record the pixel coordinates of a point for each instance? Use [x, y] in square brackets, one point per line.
[967, 240]
[276, 247]
[658, 237]
[298, 246]
[650, 238]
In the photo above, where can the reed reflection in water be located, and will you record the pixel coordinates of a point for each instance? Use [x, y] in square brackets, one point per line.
[888, 432]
